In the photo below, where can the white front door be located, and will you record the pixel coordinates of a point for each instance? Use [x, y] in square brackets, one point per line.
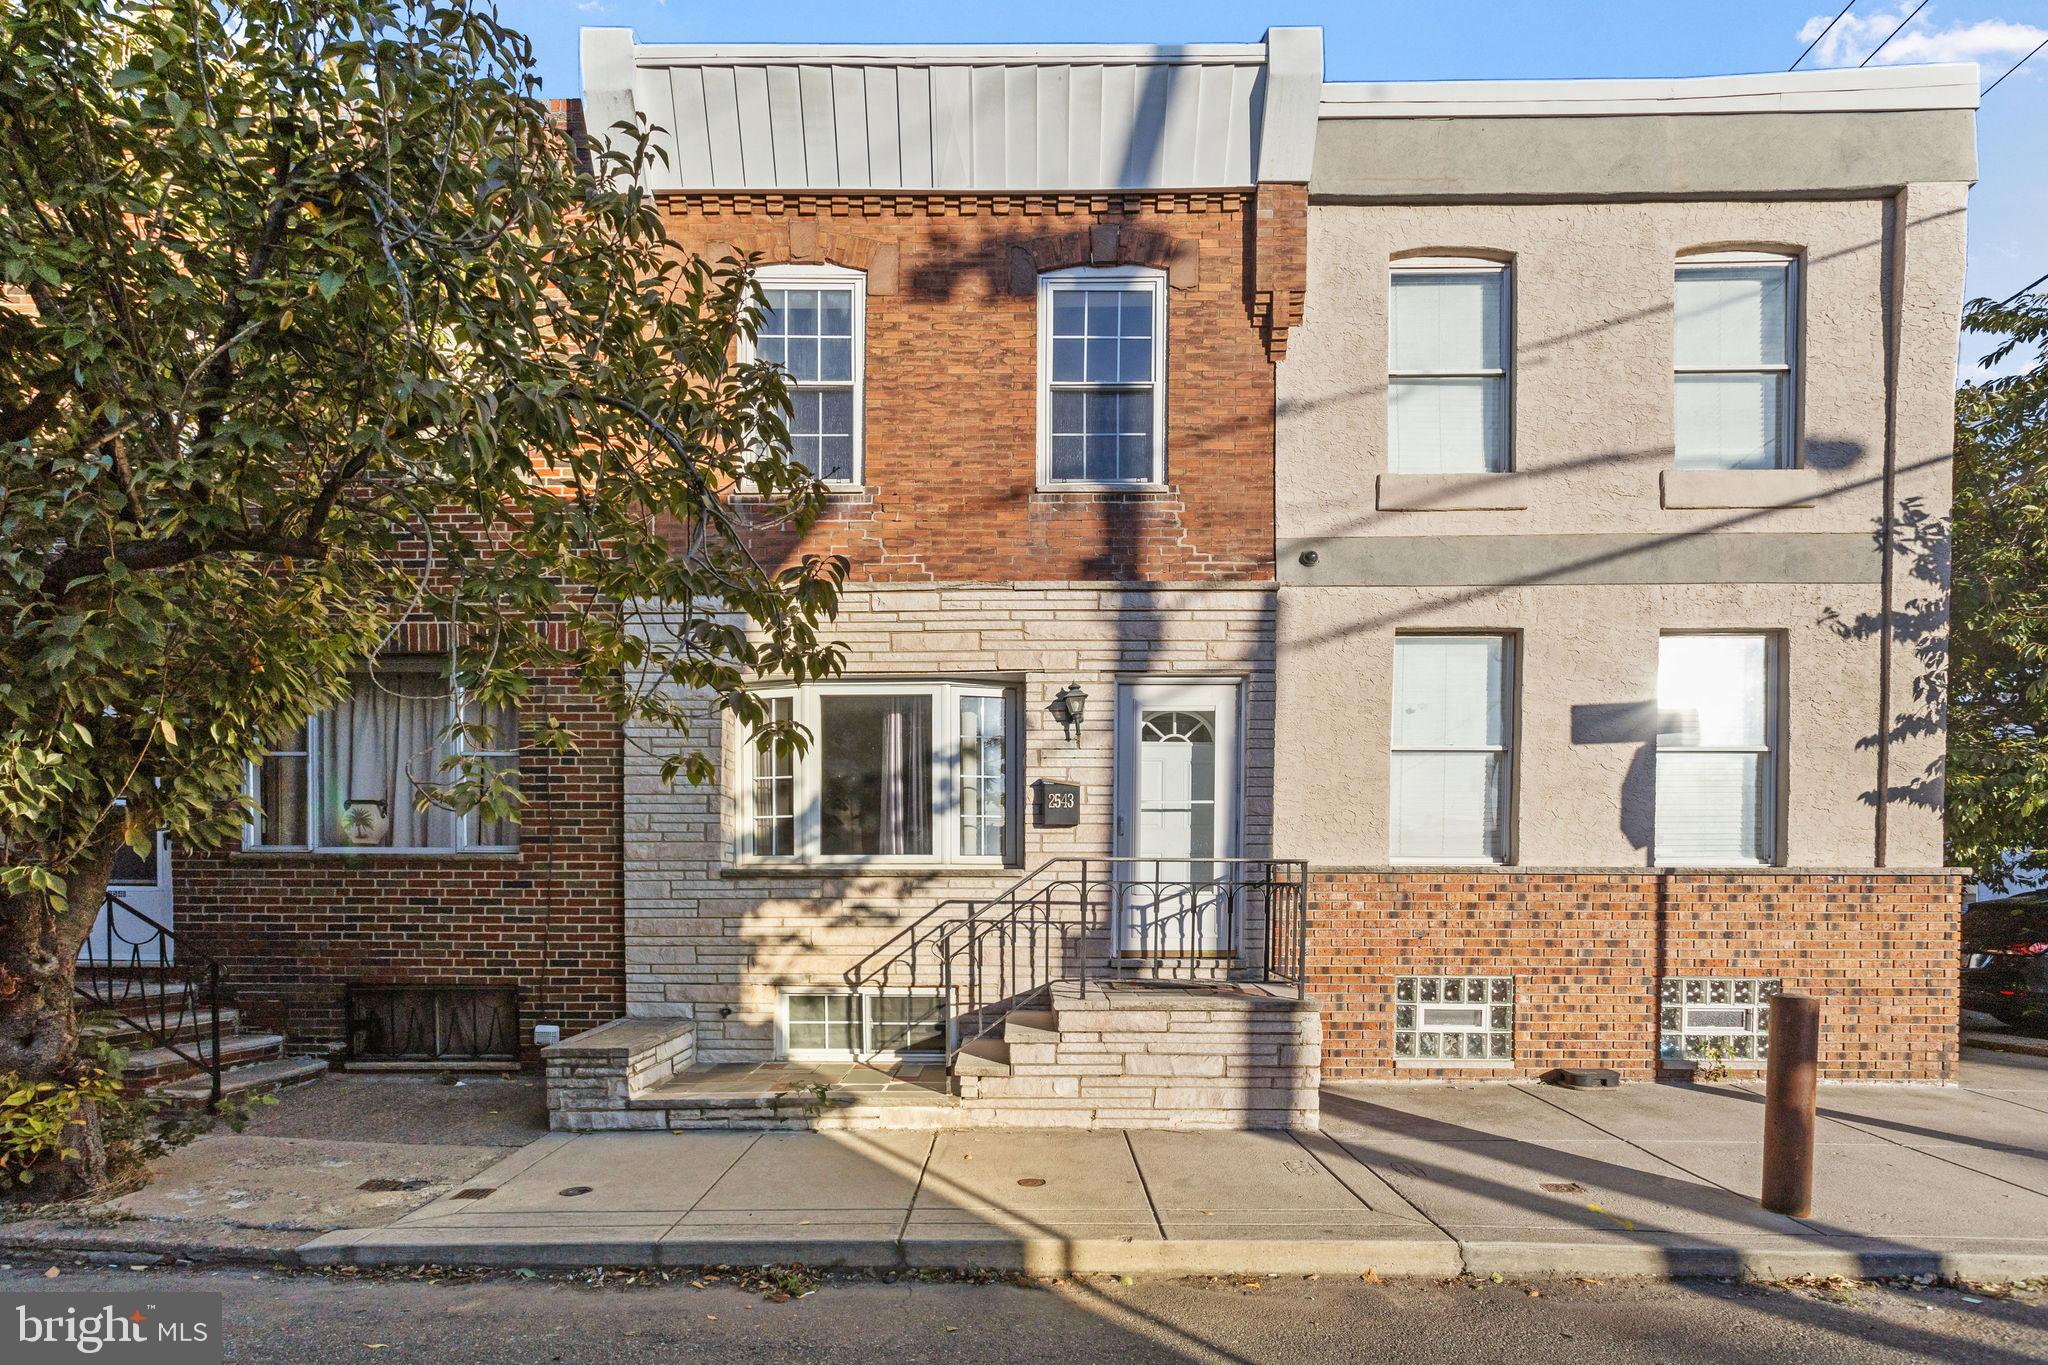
[1177, 816]
[143, 882]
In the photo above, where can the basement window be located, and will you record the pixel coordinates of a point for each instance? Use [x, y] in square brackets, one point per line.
[1698, 1014]
[438, 1024]
[825, 1025]
[1454, 1019]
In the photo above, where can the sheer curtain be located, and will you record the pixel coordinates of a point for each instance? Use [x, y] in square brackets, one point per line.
[907, 776]
[382, 739]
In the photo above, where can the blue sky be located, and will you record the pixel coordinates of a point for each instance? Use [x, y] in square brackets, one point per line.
[1460, 39]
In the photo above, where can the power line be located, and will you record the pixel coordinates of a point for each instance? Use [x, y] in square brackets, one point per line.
[1820, 35]
[2008, 71]
[1893, 34]
[2025, 288]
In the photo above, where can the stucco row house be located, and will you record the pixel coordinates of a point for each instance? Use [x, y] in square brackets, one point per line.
[1350, 581]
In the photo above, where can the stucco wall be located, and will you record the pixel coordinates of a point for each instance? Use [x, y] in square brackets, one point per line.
[1592, 328]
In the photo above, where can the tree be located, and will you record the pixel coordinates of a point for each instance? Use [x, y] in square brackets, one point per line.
[289, 280]
[1998, 717]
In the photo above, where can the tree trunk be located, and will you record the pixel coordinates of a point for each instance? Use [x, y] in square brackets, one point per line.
[39, 947]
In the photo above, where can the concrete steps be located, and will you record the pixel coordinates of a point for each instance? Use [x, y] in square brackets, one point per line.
[168, 1057]
[175, 1025]
[254, 1078]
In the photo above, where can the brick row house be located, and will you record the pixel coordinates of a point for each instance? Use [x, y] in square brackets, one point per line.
[1349, 582]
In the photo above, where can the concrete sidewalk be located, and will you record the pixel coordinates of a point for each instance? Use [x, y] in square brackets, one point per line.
[1402, 1180]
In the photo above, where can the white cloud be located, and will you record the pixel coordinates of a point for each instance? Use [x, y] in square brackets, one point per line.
[1987, 40]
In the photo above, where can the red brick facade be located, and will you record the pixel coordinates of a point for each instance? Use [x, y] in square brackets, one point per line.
[293, 930]
[1587, 949]
[951, 479]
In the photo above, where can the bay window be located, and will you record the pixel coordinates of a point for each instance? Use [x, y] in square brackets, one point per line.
[1451, 771]
[916, 772]
[1447, 375]
[1102, 368]
[1733, 348]
[352, 778]
[1716, 747]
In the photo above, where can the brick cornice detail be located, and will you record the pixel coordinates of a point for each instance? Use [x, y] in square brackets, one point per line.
[1279, 283]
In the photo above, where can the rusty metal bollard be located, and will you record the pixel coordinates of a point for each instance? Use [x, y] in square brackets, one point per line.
[1789, 1097]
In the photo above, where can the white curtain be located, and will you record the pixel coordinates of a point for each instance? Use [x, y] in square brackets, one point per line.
[1731, 319]
[1713, 749]
[907, 776]
[380, 741]
[1450, 741]
[1448, 324]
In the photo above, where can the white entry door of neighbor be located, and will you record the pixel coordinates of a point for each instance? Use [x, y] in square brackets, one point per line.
[144, 882]
[1177, 814]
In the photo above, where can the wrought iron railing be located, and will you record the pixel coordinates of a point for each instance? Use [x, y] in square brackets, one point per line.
[1072, 919]
[136, 970]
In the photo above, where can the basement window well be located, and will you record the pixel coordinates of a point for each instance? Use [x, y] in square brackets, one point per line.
[1453, 1020]
[820, 1025]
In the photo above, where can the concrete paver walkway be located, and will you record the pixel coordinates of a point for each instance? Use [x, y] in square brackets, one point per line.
[1402, 1179]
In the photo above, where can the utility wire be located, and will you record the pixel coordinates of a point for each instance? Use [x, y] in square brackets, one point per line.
[1893, 34]
[1820, 35]
[2008, 71]
[2025, 288]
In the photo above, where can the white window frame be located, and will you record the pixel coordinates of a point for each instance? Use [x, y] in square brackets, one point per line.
[1461, 265]
[1767, 806]
[465, 823]
[864, 1025]
[946, 697]
[820, 277]
[1795, 317]
[1510, 703]
[1123, 277]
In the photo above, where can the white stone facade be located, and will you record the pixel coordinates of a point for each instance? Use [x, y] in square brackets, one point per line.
[713, 940]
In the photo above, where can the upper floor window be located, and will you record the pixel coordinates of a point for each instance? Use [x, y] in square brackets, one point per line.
[1716, 740]
[354, 777]
[1102, 376]
[907, 771]
[815, 328]
[1733, 349]
[1447, 369]
[1452, 760]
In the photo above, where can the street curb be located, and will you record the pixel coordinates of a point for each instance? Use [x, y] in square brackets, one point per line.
[2007, 1042]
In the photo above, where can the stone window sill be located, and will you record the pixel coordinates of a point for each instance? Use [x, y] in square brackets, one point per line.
[1740, 488]
[1506, 492]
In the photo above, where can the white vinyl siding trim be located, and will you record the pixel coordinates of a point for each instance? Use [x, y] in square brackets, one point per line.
[1734, 343]
[823, 352]
[1449, 337]
[976, 828]
[1452, 761]
[1102, 392]
[1717, 723]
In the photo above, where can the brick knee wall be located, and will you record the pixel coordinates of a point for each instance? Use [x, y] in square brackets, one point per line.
[1586, 950]
[293, 930]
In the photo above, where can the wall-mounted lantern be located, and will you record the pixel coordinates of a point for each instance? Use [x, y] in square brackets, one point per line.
[1073, 705]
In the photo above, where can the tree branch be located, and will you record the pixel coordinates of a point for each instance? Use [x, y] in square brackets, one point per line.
[144, 556]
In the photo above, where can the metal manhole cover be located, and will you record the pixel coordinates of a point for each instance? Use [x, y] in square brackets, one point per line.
[474, 1192]
[1031, 1182]
[1563, 1187]
[384, 1184]
[574, 1190]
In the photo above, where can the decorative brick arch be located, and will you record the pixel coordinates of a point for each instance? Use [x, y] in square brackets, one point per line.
[1104, 244]
[804, 241]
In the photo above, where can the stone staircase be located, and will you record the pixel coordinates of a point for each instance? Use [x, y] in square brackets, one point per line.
[164, 1057]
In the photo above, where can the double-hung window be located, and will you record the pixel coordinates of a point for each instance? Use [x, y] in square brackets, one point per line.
[1452, 759]
[1447, 374]
[917, 772]
[1102, 376]
[1716, 741]
[1733, 350]
[815, 329]
[354, 778]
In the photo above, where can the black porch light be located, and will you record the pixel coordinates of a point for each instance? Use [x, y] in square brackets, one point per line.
[1073, 704]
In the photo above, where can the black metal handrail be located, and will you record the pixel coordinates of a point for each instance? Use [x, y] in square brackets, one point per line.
[1178, 918]
[163, 990]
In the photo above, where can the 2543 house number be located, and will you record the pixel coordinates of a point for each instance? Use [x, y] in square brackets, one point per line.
[1059, 805]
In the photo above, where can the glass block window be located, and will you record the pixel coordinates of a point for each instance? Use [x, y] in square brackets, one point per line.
[1695, 1012]
[1454, 1018]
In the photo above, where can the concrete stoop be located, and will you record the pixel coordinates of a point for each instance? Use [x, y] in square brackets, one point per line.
[1112, 1055]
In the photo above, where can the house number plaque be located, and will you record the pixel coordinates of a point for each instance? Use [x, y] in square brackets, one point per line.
[1059, 805]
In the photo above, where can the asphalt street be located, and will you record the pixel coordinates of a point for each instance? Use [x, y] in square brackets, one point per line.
[311, 1318]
